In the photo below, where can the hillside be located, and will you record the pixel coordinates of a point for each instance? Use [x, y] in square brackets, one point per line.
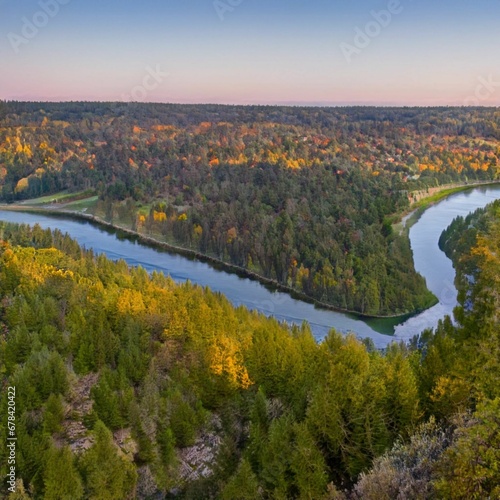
[133, 385]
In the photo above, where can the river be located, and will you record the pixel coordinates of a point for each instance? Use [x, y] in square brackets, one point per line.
[432, 263]
[424, 236]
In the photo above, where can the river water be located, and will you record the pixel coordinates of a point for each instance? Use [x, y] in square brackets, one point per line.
[433, 264]
[424, 236]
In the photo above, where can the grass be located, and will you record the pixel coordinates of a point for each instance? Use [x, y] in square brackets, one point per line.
[144, 208]
[61, 197]
[82, 205]
[434, 198]
[80, 201]
[48, 199]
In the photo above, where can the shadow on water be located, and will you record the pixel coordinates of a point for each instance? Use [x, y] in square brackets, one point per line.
[386, 326]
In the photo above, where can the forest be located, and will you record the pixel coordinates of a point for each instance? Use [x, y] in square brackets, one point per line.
[306, 197]
[127, 385]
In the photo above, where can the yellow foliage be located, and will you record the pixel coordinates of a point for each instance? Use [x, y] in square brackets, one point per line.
[24, 149]
[130, 301]
[178, 322]
[198, 230]
[159, 216]
[294, 164]
[226, 360]
[38, 265]
[21, 185]
[302, 273]
[450, 395]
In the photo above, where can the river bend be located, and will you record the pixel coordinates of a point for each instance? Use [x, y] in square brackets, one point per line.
[424, 236]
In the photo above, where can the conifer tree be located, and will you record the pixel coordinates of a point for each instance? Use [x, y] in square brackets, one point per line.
[61, 478]
[107, 475]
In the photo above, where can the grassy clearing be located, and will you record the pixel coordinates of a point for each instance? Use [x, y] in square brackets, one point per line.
[144, 208]
[51, 198]
[61, 197]
[85, 204]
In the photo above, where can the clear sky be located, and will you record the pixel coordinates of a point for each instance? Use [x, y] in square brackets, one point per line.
[426, 52]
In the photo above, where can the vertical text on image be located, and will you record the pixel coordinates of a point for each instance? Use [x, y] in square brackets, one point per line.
[11, 439]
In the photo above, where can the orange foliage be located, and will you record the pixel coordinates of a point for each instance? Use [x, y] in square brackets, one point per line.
[159, 216]
[231, 234]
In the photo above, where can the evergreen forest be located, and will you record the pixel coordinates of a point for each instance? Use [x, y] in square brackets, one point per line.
[128, 385]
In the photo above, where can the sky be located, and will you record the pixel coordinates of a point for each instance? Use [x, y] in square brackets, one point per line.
[299, 52]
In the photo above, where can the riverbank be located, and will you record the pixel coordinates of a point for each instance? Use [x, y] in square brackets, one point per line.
[430, 197]
[385, 323]
[271, 284]
[429, 261]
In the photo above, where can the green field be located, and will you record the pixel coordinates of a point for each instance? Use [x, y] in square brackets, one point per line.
[61, 197]
[82, 205]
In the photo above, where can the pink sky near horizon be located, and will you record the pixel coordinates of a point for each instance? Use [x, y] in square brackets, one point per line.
[258, 54]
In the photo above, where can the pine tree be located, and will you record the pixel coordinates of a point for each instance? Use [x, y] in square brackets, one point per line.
[308, 465]
[107, 475]
[243, 485]
[61, 478]
[20, 493]
[54, 414]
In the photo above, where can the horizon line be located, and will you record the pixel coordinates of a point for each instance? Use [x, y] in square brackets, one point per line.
[290, 104]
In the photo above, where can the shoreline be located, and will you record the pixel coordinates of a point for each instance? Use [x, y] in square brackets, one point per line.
[417, 208]
[407, 219]
[217, 263]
